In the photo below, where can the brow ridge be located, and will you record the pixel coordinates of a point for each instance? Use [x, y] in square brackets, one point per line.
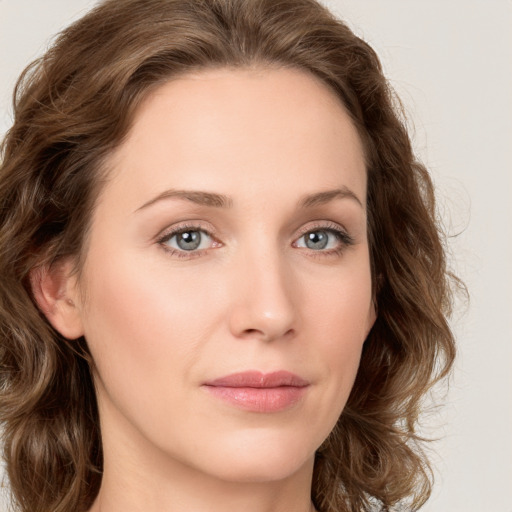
[320, 198]
[195, 196]
[215, 200]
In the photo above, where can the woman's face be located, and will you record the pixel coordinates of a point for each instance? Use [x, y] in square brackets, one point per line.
[227, 275]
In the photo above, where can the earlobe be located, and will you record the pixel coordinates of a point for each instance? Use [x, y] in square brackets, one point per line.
[54, 290]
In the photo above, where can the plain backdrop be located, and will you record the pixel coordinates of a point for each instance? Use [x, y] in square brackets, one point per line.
[451, 63]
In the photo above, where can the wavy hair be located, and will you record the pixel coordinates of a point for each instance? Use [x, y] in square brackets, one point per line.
[74, 105]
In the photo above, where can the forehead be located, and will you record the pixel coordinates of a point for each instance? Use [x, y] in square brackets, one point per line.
[240, 130]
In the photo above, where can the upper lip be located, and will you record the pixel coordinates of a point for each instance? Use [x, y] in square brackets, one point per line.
[257, 379]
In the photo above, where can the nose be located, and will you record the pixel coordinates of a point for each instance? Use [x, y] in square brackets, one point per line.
[263, 298]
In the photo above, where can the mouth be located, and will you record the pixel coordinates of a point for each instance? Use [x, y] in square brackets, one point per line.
[259, 392]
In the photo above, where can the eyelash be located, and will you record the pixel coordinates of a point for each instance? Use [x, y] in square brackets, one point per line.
[176, 231]
[344, 239]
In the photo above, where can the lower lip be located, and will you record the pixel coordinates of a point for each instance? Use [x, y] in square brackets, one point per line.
[262, 400]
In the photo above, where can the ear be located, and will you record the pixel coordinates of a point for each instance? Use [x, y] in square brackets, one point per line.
[56, 294]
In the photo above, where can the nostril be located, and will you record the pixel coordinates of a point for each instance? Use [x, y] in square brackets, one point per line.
[254, 332]
[267, 335]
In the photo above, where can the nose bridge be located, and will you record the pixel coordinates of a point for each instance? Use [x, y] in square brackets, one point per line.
[263, 292]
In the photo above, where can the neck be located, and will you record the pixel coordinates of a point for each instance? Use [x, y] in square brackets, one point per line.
[139, 477]
[185, 489]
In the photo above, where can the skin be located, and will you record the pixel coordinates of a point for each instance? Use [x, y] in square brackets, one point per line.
[254, 296]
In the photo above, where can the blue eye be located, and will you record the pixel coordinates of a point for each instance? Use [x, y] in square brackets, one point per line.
[187, 239]
[323, 239]
[316, 239]
[192, 241]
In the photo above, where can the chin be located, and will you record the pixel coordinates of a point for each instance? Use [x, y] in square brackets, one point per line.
[259, 458]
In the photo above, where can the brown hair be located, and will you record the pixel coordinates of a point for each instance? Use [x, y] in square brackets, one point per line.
[74, 105]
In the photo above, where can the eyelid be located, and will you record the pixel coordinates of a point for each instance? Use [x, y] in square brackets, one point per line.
[327, 226]
[344, 238]
[321, 224]
[174, 230]
[180, 227]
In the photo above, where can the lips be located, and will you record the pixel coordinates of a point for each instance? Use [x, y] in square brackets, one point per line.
[259, 392]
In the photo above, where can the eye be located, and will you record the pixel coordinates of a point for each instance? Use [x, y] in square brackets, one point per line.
[186, 240]
[324, 239]
[318, 240]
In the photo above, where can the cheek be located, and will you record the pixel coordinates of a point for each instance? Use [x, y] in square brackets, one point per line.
[340, 318]
[142, 326]
[340, 309]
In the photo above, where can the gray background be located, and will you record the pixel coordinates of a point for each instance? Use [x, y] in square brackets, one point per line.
[451, 63]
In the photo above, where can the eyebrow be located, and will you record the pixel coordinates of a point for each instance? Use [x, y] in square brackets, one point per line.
[215, 200]
[195, 196]
[321, 198]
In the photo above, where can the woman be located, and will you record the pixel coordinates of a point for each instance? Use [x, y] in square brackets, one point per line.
[223, 285]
